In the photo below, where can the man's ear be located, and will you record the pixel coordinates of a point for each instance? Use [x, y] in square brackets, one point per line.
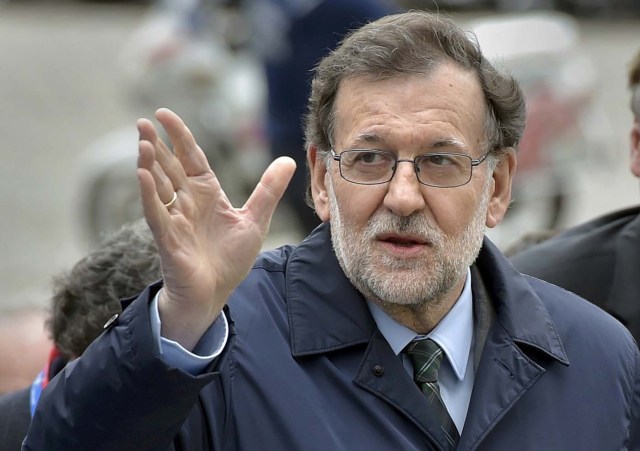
[501, 188]
[634, 162]
[318, 174]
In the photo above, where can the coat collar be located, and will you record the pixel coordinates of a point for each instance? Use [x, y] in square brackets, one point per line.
[325, 310]
[518, 307]
[327, 313]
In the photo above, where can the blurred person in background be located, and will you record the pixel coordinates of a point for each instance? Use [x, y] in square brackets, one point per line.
[394, 325]
[291, 37]
[24, 345]
[83, 301]
[600, 259]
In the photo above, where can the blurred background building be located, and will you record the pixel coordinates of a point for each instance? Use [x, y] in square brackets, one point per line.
[75, 75]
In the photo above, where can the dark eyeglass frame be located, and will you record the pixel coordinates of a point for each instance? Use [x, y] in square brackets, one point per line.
[473, 163]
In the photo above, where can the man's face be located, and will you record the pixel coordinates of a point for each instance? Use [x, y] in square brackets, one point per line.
[403, 242]
[384, 274]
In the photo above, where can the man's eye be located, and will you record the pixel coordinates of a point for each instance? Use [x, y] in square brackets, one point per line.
[438, 160]
[368, 157]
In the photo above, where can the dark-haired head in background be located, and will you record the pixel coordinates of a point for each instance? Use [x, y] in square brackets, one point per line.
[83, 300]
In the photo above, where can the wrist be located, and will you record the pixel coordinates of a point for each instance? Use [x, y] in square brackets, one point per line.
[184, 322]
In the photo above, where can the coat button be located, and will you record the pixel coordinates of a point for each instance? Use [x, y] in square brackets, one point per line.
[378, 370]
[111, 321]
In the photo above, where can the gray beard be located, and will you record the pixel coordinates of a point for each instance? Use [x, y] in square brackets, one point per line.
[410, 282]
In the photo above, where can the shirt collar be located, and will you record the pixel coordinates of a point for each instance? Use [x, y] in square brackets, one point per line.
[454, 333]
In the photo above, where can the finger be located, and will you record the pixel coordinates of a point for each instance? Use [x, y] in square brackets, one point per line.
[168, 170]
[146, 130]
[146, 161]
[163, 184]
[264, 199]
[146, 155]
[154, 210]
[168, 167]
[191, 156]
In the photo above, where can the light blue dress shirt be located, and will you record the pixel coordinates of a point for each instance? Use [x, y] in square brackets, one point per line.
[454, 334]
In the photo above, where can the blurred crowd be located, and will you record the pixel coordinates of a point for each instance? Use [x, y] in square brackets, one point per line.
[238, 72]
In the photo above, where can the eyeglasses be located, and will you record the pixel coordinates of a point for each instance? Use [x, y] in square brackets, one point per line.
[374, 167]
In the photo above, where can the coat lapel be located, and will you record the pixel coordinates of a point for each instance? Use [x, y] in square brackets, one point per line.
[382, 374]
[504, 375]
[506, 371]
[325, 311]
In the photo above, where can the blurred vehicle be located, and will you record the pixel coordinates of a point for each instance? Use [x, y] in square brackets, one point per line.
[566, 127]
[187, 56]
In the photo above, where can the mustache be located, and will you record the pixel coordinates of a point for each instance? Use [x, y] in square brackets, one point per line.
[416, 224]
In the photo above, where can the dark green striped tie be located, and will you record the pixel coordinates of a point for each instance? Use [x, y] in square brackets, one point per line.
[426, 356]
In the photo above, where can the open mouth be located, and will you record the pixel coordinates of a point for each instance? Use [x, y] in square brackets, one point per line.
[402, 240]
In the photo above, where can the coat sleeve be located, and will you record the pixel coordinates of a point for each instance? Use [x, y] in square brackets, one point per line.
[122, 395]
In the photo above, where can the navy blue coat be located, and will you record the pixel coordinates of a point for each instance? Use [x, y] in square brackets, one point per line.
[307, 369]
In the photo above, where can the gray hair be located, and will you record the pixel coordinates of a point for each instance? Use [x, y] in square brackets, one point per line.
[415, 42]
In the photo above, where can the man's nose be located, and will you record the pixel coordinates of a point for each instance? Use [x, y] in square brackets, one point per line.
[405, 194]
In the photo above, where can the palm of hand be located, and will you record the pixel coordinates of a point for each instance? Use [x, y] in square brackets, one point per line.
[206, 246]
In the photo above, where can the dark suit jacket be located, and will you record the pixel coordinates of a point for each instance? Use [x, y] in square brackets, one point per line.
[14, 419]
[599, 260]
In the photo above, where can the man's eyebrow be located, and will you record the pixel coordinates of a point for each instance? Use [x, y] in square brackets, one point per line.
[447, 142]
[438, 143]
[368, 137]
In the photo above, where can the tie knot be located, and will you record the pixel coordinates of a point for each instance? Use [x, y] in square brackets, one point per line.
[426, 357]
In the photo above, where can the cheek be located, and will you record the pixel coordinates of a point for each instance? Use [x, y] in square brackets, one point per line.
[358, 203]
[452, 210]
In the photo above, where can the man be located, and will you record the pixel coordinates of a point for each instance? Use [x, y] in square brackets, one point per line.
[83, 300]
[410, 142]
[600, 259]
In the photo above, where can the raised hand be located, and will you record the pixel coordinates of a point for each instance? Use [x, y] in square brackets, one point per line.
[206, 245]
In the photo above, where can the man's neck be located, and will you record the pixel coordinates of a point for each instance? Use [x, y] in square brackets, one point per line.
[424, 316]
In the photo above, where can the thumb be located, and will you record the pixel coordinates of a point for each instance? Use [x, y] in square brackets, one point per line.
[264, 199]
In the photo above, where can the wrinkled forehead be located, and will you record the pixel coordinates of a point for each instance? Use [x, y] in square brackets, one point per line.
[449, 98]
